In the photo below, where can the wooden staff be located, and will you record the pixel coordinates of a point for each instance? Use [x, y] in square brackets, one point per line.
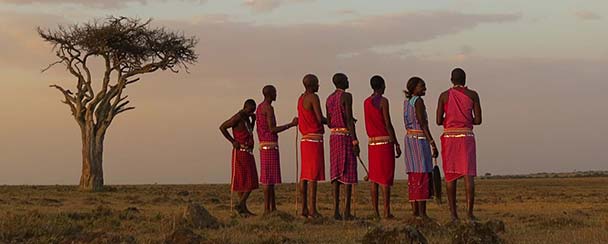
[297, 178]
[232, 180]
[355, 200]
[366, 178]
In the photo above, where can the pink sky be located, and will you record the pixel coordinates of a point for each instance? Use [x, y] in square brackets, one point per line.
[540, 96]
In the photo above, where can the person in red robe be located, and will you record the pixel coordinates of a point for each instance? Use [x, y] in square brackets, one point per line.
[268, 130]
[343, 143]
[310, 122]
[244, 177]
[382, 145]
[459, 109]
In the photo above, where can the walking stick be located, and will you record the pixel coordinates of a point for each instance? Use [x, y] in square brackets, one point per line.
[232, 181]
[355, 200]
[297, 178]
[366, 178]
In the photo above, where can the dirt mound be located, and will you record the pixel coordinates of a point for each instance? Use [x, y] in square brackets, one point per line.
[274, 238]
[198, 217]
[183, 236]
[477, 233]
[399, 234]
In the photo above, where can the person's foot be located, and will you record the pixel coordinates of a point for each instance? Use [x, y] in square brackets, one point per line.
[304, 214]
[454, 221]
[248, 212]
[473, 219]
[314, 215]
[241, 211]
[426, 217]
[389, 216]
[337, 216]
[348, 216]
[377, 215]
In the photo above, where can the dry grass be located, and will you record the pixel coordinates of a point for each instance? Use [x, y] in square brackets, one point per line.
[550, 210]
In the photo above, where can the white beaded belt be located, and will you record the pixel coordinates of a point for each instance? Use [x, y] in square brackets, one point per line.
[379, 140]
[246, 149]
[340, 131]
[269, 145]
[457, 132]
[416, 134]
[313, 137]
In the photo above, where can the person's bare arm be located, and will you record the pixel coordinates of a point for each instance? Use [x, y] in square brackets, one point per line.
[328, 114]
[269, 110]
[316, 107]
[440, 112]
[424, 123]
[230, 123]
[384, 106]
[350, 121]
[476, 109]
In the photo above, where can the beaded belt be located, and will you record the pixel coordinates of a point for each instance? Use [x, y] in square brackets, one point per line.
[416, 134]
[245, 148]
[268, 145]
[340, 131]
[313, 137]
[379, 140]
[457, 132]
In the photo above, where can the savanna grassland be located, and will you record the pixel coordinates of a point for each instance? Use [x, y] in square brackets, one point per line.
[538, 210]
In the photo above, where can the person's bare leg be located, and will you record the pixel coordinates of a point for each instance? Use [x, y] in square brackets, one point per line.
[273, 203]
[313, 200]
[304, 197]
[386, 190]
[337, 200]
[414, 209]
[422, 209]
[267, 199]
[374, 192]
[469, 182]
[348, 193]
[244, 198]
[452, 199]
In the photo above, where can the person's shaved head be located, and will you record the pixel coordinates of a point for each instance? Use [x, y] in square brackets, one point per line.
[377, 82]
[249, 106]
[270, 92]
[340, 81]
[458, 76]
[311, 82]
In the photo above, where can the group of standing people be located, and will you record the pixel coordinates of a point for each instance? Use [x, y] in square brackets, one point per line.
[458, 111]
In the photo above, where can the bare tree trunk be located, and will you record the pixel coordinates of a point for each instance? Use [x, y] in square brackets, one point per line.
[92, 158]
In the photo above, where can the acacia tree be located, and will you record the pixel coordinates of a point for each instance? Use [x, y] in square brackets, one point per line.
[127, 48]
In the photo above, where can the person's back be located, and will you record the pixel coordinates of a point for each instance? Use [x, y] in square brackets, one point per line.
[459, 108]
[307, 120]
[375, 125]
[335, 110]
[263, 128]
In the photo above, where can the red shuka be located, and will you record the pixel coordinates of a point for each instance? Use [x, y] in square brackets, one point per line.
[313, 161]
[244, 171]
[381, 157]
[458, 148]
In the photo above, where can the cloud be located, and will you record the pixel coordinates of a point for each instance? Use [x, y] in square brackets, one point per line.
[105, 4]
[269, 5]
[267, 49]
[173, 132]
[587, 15]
